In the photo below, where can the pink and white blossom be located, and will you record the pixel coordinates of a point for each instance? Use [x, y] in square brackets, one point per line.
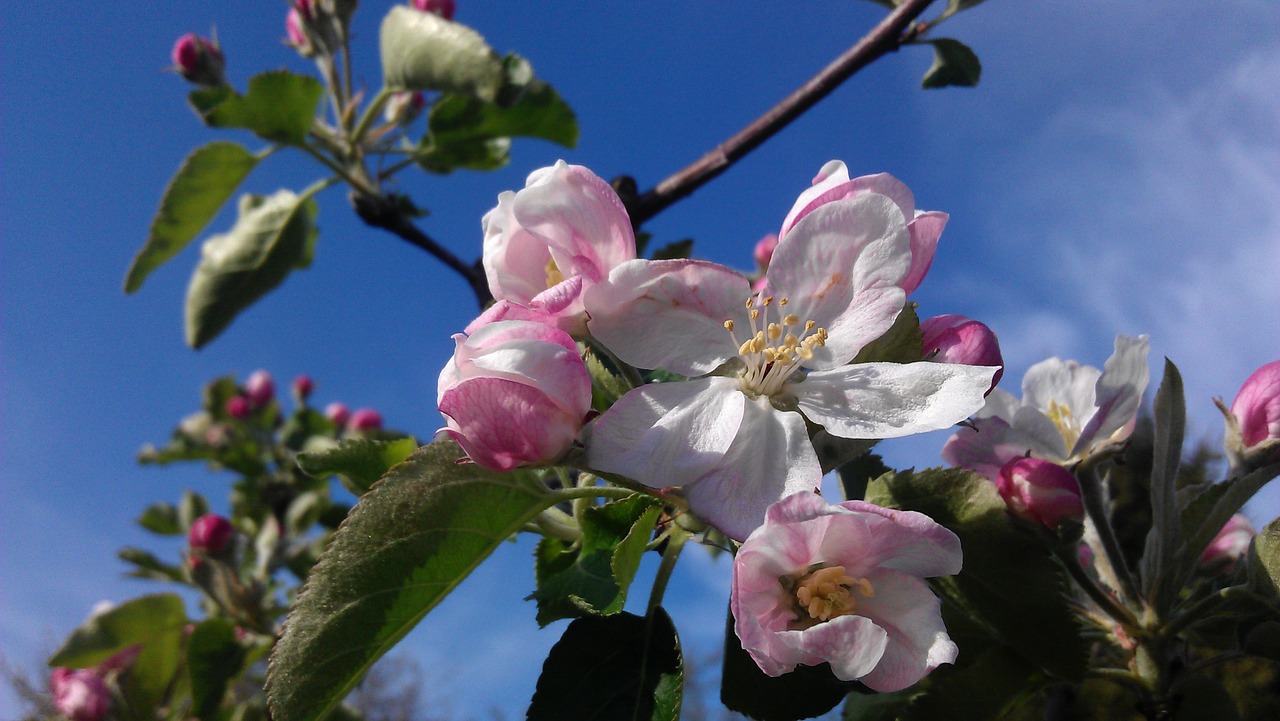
[516, 393]
[1067, 411]
[957, 339]
[842, 584]
[1229, 546]
[1040, 491]
[80, 694]
[763, 366]
[546, 244]
[833, 183]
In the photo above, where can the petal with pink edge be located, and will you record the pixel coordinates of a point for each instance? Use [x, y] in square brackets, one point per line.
[918, 642]
[925, 231]
[502, 424]
[904, 541]
[1118, 392]
[853, 645]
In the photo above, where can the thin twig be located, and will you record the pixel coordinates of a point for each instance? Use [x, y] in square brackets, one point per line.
[885, 37]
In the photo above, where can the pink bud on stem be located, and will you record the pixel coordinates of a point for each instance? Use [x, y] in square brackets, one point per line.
[199, 60]
[1041, 491]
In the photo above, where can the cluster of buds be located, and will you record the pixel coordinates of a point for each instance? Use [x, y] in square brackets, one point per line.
[318, 27]
[199, 60]
[362, 420]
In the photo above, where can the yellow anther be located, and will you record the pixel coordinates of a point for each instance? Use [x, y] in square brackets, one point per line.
[791, 319]
[864, 588]
[746, 347]
[791, 341]
[728, 325]
[751, 301]
[767, 300]
[824, 594]
[755, 314]
[775, 331]
[783, 301]
[809, 324]
[554, 276]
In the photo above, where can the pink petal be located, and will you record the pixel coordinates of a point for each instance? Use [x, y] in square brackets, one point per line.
[853, 645]
[908, 611]
[1118, 393]
[904, 541]
[502, 424]
[508, 310]
[925, 230]
[515, 260]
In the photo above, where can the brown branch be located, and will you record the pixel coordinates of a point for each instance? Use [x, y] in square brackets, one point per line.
[887, 36]
[379, 211]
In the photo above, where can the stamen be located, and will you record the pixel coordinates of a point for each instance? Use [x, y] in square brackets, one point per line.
[775, 331]
[791, 319]
[728, 325]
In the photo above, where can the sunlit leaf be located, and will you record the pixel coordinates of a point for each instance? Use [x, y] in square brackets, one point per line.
[279, 106]
[953, 64]
[423, 51]
[358, 462]
[214, 658]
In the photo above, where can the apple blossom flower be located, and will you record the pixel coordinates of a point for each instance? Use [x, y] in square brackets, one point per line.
[842, 584]
[1253, 422]
[1067, 411]
[1229, 546]
[1041, 491]
[957, 339]
[736, 434]
[443, 8]
[79, 694]
[833, 183]
[199, 60]
[260, 389]
[337, 413]
[515, 393]
[210, 533]
[546, 244]
[365, 419]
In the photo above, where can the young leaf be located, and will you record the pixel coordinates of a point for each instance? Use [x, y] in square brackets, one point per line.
[953, 64]
[279, 106]
[204, 182]
[148, 566]
[612, 667]
[192, 506]
[805, 692]
[1264, 560]
[606, 385]
[213, 660]
[539, 113]
[161, 518]
[154, 623]
[1011, 582]
[272, 236]
[902, 343]
[423, 51]
[407, 543]
[1159, 577]
[358, 462]
[1206, 513]
[593, 577]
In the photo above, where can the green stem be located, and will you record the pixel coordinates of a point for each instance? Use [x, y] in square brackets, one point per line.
[359, 185]
[1121, 614]
[1095, 504]
[568, 494]
[557, 524]
[675, 544]
[398, 166]
[370, 112]
[1197, 611]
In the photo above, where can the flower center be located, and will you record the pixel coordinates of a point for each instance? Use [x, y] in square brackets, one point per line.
[1065, 422]
[827, 592]
[775, 349]
[554, 276]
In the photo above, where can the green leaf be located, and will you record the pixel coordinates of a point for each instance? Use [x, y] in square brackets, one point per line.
[408, 542]
[153, 622]
[472, 154]
[985, 688]
[856, 474]
[161, 518]
[213, 660]
[1159, 572]
[1202, 698]
[1264, 560]
[902, 343]
[539, 113]
[423, 51]
[1208, 511]
[675, 251]
[272, 236]
[357, 461]
[878, 706]
[593, 576]
[204, 182]
[953, 64]
[148, 566]
[279, 106]
[303, 425]
[807, 691]
[192, 506]
[1011, 582]
[955, 6]
[612, 667]
[607, 385]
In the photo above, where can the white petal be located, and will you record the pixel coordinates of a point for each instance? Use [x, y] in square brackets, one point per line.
[1118, 392]
[667, 434]
[770, 458]
[669, 314]
[854, 645]
[918, 642]
[890, 400]
[1068, 384]
[841, 267]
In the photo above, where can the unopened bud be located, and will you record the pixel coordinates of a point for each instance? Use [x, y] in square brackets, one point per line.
[302, 387]
[404, 108]
[1253, 423]
[957, 339]
[1229, 546]
[295, 29]
[763, 252]
[443, 8]
[365, 419]
[260, 389]
[210, 533]
[80, 694]
[199, 60]
[238, 407]
[338, 413]
[1041, 491]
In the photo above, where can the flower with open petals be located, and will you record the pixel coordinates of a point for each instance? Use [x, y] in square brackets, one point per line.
[80, 694]
[546, 244]
[1067, 411]
[842, 584]
[515, 393]
[763, 366]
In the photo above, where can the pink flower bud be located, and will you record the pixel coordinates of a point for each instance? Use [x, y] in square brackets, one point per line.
[404, 108]
[365, 419]
[443, 8]
[238, 407]
[1229, 546]
[1257, 405]
[337, 412]
[1041, 491]
[260, 389]
[210, 533]
[302, 387]
[295, 29]
[957, 339]
[515, 393]
[842, 584]
[764, 251]
[198, 60]
[80, 694]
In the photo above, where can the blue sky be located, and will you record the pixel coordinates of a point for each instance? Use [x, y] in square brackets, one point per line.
[1118, 171]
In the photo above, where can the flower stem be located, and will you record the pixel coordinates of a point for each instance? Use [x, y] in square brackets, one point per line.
[370, 112]
[675, 544]
[1095, 505]
[1119, 613]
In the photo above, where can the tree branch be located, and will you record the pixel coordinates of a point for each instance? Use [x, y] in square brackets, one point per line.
[379, 211]
[885, 37]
